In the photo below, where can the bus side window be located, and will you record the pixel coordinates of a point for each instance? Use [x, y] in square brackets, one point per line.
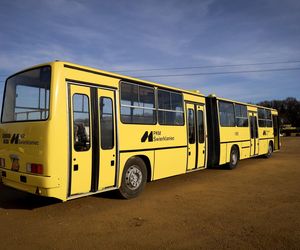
[226, 112]
[81, 122]
[170, 108]
[106, 123]
[200, 126]
[241, 115]
[191, 122]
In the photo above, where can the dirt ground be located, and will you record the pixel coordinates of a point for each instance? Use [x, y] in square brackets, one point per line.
[256, 205]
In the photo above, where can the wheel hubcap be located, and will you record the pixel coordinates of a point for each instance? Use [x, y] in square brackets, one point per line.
[234, 158]
[133, 177]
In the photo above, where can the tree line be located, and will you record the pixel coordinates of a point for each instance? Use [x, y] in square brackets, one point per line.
[288, 109]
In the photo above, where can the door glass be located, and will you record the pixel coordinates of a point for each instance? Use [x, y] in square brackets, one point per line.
[81, 122]
[254, 131]
[191, 120]
[106, 123]
[200, 126]
[252, 126]
[255, 127]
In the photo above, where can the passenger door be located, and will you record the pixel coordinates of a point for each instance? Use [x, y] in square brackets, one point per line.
[201, 136]
[81, 139]
[108, 147]
[191, 135]
[254, 145]
[92, 139]
[196, 131]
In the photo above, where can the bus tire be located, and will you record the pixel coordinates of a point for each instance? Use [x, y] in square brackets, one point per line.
[234, 158]
[134, 178]
[270, 150]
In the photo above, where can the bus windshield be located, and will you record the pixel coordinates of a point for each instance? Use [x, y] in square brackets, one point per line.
[26, 96]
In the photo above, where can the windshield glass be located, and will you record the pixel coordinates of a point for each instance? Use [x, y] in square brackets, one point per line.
[26, 96]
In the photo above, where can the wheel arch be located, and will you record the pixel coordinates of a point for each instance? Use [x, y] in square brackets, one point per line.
[238, 148]
[148, 166]
[232, 164]
[272, 144]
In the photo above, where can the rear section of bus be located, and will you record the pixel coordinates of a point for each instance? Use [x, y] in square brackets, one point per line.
[25, 135]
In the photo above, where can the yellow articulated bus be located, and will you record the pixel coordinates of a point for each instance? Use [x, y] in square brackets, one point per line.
[69, 131]
[239, 131]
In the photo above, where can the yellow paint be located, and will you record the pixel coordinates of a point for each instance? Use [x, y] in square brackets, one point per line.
[169, 162]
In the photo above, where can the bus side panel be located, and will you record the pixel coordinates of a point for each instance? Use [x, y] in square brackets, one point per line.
[125, 156]
[230, 136]
[245, 150]
[234, 134]
[263, 147]
[169, 162]
[265, 135]
[150, 137]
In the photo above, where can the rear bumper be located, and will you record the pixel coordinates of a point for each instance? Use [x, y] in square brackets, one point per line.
[41, 185]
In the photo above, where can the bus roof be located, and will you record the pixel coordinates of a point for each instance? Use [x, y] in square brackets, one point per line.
[115, 75]
[133, 79]
[243, 103]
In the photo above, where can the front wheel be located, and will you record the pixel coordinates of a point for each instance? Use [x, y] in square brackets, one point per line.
[234, 158]
[134, 178]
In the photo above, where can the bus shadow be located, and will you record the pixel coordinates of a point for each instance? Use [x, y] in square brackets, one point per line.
[220, 167]
[111, 195]
[241, 164]
[14, 199]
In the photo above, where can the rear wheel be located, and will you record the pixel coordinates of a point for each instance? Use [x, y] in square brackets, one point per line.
[234, 158]
[270, 151]
[134, 178]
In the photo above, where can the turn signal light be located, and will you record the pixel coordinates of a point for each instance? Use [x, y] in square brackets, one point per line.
[2, 162]
[34, 168]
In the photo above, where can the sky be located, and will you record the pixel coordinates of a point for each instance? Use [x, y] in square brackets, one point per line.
[117, 35]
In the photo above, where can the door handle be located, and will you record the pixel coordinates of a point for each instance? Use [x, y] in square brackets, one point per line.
[76, 167]
[189, 152]
[112, 163]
